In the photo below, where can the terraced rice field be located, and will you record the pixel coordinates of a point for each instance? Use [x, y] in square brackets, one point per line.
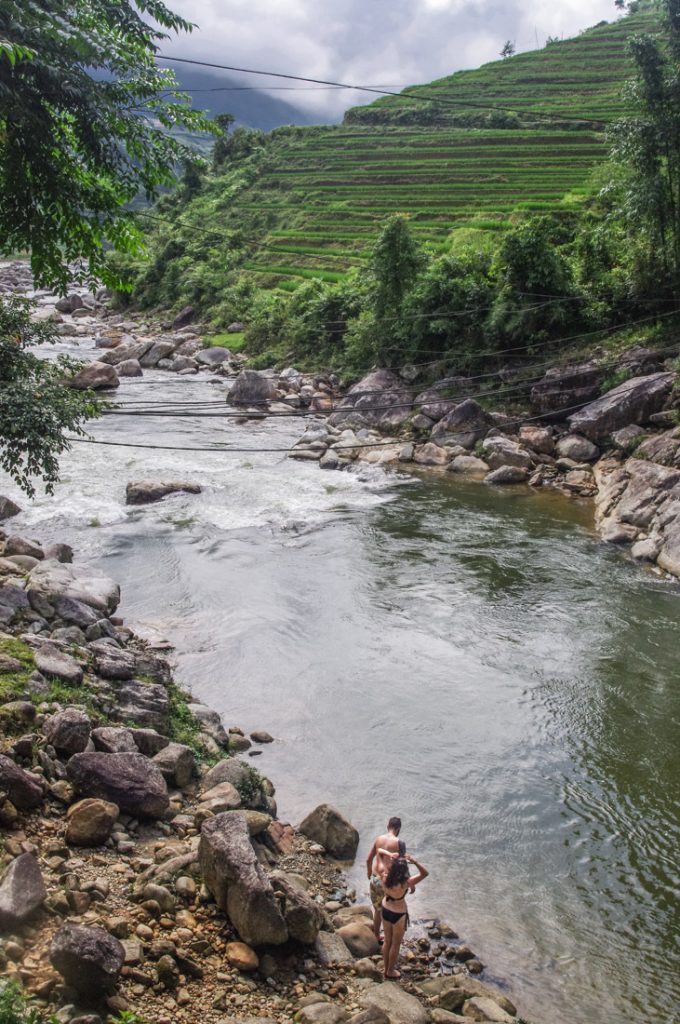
[327, 191]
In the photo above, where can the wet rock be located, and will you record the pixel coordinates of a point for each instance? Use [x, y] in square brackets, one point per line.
[538, 439]
[22, 892]
[23, 789]
[326, 826]
[8, 509]
[222, 797]
[252, 388]
[480, 1008]
[507, 475]
[68, 731]
[57, 580]
[177, 764]
[237, 882]
[59, 552]
[131, 781]
[95, 377]
[143, 492]
[159, 350]
[58, 665]
[16, 545]
[89, 959]
[359, 939]
[399, 1005]
[13, 602]
[465, 424]
[130, 368]
[580, 449]
[468, 465]
[431, 455]
[261, 737]
[213, 356]
[90, 822]
[631, 402]
[230, 769]
[210, 722]
[75, 613]
[379, 399]
[114, 740]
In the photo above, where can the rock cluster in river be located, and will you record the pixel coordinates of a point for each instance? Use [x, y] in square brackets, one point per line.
[135, 877]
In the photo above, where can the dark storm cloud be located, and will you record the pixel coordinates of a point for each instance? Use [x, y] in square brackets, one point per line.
[391, 43]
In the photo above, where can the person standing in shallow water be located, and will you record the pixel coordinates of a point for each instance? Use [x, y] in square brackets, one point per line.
[378, 861]
[397, 882]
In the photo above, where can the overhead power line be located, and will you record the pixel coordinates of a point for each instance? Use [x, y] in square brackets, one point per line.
[444, 101]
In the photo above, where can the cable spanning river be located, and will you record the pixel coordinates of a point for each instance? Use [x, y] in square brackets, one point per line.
[471, 659]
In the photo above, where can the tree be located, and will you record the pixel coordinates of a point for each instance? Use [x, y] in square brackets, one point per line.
[395, 264]
[222, 144]
[508, 49]
[646, 147]
[85, 122]
[35, 406]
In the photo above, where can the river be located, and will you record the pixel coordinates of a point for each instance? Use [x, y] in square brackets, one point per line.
[471, 659]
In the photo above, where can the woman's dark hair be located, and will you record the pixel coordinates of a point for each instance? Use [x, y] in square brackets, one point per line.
[398, 874]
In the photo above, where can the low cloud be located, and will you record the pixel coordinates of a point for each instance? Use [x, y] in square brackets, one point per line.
[386, 43]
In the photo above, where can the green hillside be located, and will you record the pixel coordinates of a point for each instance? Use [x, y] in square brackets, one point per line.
[309, 202]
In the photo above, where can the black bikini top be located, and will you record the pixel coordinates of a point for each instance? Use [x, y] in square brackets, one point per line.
[395, 899]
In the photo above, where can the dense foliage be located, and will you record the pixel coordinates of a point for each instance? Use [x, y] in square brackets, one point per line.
[35, 406]
[85, 121]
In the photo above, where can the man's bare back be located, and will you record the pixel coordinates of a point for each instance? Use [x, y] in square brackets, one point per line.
[390, 842]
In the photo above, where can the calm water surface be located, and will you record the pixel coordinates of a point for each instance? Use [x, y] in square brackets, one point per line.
[471, 659]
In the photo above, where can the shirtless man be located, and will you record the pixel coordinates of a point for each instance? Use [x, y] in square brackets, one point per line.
[377, 864]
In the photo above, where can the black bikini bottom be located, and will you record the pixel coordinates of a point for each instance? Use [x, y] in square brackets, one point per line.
[392, 916]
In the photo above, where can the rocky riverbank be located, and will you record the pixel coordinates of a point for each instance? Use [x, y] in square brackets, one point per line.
[144, 869]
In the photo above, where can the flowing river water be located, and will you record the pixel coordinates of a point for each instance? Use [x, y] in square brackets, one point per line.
[470, 658]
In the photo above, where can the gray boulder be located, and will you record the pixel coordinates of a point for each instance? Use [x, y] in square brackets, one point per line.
[95, 377]
[237, 882]
[74, 613]
[13, 602]
[112, 739]
[331, 830]
[210, 722]
[55, 663]
[59, 552]
[251, 388]
[465, 424]
[564, 387]
[22, 788]
[434, 403]
[330, 949]
[501, 451]
[379, 399]
[22, 891]
[303, 916]
[148, 741]
[399, 1005]
[230, 769]
[130, 368]
[68, 731]
[112, 662]
[507, 475]
[634, 401]
[213, 356]
[143, 492]
[88, 959]
[184, 317]
[57, 579]
[580, 449]
[145, 704]
[662, 448]
[468, 465]
[8, 508]
[159, 350]
[177, 764]
[15, 545]
[131, 781]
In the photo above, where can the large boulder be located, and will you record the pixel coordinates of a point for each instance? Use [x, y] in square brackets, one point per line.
[143, 492]
[468, 465]
[303, 916]
[95, 377]
[380, 399]
[131, 781]
[229, 769]
[331, 830]
[8, 508]
[634, 401]
[648, 485]
[213, 356]
[144, 704]
[125, 354]
[464, 425]
[399, 1005]
[88, 959]
[359, 938]
[237, 882]
[669, 554]
[90, 822]
[149, 741]
[22, 788]
[565, 387]
[184, 317]
[58, 579]
[57, 664]
[501, 451]
[252, 388]
[434, 401]
[578, 448]
[161, 349]
[177, 764]
[507, 475]
[68, 731]
[22, 891]
[210, 722]
[112, 739]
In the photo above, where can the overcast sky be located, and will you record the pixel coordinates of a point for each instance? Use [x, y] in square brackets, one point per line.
[371, 42]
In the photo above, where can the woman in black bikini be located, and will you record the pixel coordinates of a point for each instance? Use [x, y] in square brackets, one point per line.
[397, 881]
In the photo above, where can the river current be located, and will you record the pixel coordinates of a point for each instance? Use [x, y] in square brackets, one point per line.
[472, 659]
